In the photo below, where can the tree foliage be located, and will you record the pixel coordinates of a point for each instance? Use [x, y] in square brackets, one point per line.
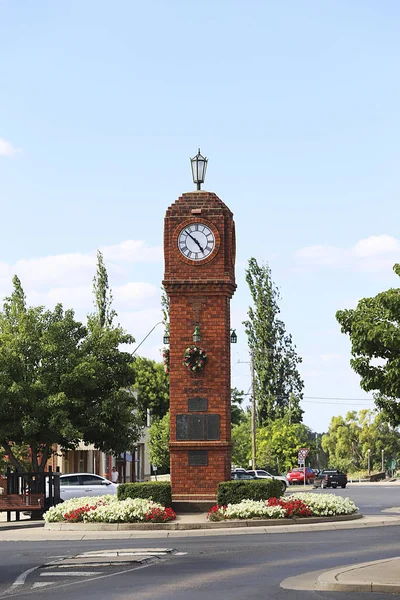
[151, 386]
[241, 442]
[374, 330]
[159, 443]
[103, 295]
[238, 415]
[278, 444]
[61, 382]
[349, 438]
[277, 379]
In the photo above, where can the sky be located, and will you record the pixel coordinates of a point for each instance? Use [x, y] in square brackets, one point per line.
[295, 104]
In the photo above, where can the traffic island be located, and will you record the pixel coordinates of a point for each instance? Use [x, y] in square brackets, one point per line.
[197, 521]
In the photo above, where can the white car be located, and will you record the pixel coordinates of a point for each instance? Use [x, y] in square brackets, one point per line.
[261, 474]
[77, 485]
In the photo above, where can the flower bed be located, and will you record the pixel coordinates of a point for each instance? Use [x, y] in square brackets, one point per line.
[108, 509]
[295, 505]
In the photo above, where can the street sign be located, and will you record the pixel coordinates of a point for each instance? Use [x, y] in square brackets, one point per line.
[302, 453]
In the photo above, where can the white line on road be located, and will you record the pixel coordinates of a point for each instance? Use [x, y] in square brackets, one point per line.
[71, 574]
[19, 581]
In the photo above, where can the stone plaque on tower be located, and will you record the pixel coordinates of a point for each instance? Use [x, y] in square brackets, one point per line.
[199, 278]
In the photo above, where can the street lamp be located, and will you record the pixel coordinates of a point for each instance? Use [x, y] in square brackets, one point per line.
[166, 338]
[196, 334]
[145, 338]
[199, 168]
[233, 336]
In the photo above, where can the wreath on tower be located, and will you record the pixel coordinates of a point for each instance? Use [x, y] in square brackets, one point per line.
[194, 358]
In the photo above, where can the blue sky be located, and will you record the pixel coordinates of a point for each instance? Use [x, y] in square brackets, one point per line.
[296, 106]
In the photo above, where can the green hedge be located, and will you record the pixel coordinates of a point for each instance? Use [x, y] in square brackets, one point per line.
[232, 492]
[158, 491]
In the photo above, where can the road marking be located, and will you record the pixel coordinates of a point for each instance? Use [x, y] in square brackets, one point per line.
[21, 578]
[70, 574]
[19, 581]
[42, 584]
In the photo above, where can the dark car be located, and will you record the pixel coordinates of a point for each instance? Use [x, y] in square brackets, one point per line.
[242, 475]
[330, 478]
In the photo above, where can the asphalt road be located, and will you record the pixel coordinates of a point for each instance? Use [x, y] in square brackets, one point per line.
[241, 567]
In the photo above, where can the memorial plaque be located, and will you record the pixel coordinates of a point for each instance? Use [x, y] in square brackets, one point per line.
[212, 425]
[198, 458]
[197, 427]
[182, 427]
[197, 404]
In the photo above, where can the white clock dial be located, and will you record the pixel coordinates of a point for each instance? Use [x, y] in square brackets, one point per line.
[196, 241]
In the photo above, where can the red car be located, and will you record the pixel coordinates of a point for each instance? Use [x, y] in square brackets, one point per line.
[297, 475]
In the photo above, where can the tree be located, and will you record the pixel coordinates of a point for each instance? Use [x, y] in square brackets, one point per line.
[241, 440]
[348, 440]
[374, 330]
[278, 444]
[159, 443]
[152, 387]
[238, 415]
[103, 295]
[62, 382]
[277, 379]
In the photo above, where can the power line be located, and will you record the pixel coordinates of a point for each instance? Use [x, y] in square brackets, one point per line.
[335, 403]
[317, 399]
[329, 398]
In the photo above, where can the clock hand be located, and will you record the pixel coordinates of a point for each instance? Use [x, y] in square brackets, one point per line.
[195, 241]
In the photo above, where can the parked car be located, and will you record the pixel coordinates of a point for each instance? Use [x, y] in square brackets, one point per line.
[262, 474]
[330, 478]
[77, 485]
[297, 475]
[242, 475]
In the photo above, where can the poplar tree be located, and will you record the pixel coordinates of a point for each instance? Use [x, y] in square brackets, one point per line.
[278, 384]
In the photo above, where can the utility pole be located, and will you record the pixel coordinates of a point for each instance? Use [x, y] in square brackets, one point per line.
[253, 412]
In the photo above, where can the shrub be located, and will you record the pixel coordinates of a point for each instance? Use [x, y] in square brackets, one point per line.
[233, 492]
[158, 491]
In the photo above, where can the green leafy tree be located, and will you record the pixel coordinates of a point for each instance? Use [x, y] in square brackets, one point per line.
[238, 415]
[349, 438]
[151, 386]
[159, 443]
[241, 443]
[374, 331]
[278, 384]
[61, 382]
[165, 309]
[278, 444]
[103, 295]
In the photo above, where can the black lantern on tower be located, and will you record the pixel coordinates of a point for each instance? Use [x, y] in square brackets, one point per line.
[199, 168]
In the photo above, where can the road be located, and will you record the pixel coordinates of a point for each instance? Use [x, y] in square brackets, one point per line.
[240, 567]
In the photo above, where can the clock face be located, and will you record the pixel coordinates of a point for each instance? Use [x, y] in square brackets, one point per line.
[196, 241]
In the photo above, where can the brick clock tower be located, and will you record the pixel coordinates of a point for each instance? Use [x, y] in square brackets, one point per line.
[199, 250]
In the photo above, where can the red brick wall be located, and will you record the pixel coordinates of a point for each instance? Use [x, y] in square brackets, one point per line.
[200, 295]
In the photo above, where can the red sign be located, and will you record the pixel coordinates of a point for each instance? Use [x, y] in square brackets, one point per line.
[302, 453]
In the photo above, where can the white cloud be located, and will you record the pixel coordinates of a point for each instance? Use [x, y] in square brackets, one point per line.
[374, 253]
[7, 149]
[133, 251]
[136, 294]
[68, 278]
